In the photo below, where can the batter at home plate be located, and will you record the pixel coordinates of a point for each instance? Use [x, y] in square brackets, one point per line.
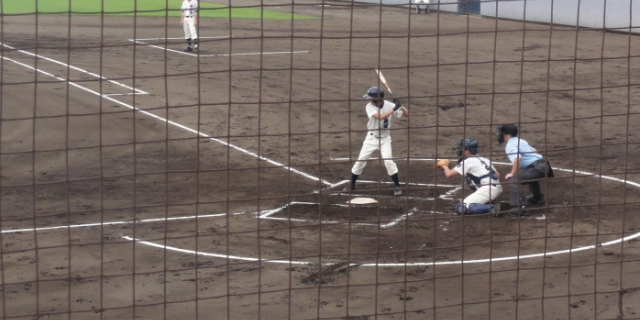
[380, 113]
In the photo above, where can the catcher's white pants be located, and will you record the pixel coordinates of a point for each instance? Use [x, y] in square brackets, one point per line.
[369, 146]
[190, 31]
[484, 194]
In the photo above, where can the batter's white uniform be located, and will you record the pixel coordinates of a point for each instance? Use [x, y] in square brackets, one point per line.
[378, 137]
[487, 189]
[189, 11]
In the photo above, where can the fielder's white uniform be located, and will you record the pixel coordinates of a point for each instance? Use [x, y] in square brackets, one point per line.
[378, 137]
[476, 173]
[189, 12]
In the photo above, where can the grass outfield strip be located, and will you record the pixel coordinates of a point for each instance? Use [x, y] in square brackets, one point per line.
[144, 8]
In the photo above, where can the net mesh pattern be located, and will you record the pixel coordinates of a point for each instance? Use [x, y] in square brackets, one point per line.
[142, 180]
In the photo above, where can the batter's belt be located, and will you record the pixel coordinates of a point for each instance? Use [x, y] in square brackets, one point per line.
[376, 136]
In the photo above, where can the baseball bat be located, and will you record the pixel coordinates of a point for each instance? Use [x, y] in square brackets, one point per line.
[384, 81]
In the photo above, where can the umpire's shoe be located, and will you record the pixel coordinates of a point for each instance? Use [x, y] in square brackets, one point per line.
[531, 199]
[522, 212]
[188, 49]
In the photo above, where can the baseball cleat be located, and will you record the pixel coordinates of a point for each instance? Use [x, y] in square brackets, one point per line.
[348, 188]
[188, 49]
[397, 192]
[531, 199]
[515, 212]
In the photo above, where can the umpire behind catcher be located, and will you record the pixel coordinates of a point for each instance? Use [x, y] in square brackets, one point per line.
[379, 112]
[528, 167]
[483, 179]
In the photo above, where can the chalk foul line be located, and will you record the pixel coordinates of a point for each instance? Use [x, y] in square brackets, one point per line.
[385, 264]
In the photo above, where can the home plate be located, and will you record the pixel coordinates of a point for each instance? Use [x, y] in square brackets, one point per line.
[362, 200]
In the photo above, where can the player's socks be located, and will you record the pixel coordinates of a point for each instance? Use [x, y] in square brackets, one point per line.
[354, 177]
[396, 181]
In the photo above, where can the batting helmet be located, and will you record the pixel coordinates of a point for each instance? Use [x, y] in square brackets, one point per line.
[509, 129]
[470, 144]
[374, 93]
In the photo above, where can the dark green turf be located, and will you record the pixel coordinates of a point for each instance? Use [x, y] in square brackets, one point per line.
[142, 8]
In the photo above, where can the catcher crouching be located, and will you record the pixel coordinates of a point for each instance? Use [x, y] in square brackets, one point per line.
[483, 179]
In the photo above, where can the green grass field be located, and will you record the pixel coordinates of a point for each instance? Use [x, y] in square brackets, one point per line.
[143, 8]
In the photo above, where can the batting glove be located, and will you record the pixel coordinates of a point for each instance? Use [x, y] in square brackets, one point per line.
[398, 104]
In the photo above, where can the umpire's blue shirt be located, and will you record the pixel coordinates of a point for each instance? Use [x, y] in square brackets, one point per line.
[517, 147]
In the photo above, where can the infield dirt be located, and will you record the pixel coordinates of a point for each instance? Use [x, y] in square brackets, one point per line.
[71, 157]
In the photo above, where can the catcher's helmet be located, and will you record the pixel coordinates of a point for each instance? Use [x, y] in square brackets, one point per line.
[470, 144]
[509, 129]
[374, 93]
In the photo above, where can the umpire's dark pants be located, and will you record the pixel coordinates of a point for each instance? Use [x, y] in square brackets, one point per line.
[534, 171]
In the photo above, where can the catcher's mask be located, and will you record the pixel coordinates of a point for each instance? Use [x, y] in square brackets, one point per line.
[503, 129]
[470, 144]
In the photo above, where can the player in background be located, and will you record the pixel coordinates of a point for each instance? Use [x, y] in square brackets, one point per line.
[189, 22]
[483, 179]
[380, 113]
[528, 167]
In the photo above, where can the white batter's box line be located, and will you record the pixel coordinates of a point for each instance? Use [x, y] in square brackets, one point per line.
[343, 193]
[177, 38]
[367, 160]
[122, 94]
[449, 194]
[218, 54]
[441, 185]
[265, 53]
[331, 186]
[135, 90]
[266, 214]
[392, 158]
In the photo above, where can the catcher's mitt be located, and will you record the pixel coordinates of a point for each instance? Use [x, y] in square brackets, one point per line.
[442, 163]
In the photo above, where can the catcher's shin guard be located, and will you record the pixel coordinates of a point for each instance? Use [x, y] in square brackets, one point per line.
[473, 208]
[461, 208]
[479, 208]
